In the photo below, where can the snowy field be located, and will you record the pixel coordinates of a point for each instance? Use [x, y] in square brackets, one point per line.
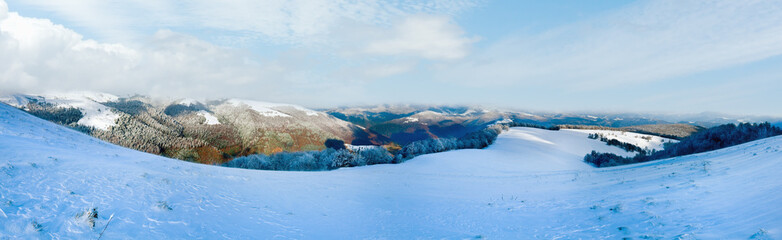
[530, 184]
[641, 140]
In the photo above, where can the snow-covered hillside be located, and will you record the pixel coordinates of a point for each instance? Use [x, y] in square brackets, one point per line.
[529, 184]
[90, 104]
[641, 140]
[210, 119]
[212, 131]
[271, 109]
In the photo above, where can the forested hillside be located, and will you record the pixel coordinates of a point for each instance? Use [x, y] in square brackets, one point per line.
[706, 140]
[213, 132]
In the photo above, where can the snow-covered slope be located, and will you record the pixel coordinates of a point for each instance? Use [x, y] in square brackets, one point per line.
[270, 109]
[95, 114]
[511, 190]
[522, 150]
[641, 140]
[210, 119]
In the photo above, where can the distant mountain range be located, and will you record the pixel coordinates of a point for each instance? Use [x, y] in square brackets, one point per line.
[211, 132]
[406, 123]
[218, 130]
[403, 124]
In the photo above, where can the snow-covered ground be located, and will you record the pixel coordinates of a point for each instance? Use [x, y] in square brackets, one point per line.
[529, 184]
[640, 140]
[187, 102]
[94, 113]
[210, 119]
[268, 109]
[352, 147]
[262, 108]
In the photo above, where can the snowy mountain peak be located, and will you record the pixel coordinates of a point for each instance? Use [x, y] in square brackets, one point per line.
[263, 108]
[429, 113]
[19, 100]
[410, 120]
[187, 102]
[271, 109]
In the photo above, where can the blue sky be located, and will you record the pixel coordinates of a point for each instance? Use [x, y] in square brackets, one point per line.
[614, 56]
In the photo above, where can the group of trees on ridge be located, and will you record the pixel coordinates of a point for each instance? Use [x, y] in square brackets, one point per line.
[532, 125]
[614, 142]
[675, 131]
[705, 140]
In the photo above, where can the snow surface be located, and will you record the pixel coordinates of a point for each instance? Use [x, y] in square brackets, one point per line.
[95, 114]
[529, 184]
[210, 119]
[468, 112]
[187, 102]
[268, 109]
[262, 108]
[19, 100]
[505, 120]
[653, 142]
[352, 147]
[410, 120]
[429, 113]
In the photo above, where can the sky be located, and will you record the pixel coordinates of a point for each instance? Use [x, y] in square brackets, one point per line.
[662, 56]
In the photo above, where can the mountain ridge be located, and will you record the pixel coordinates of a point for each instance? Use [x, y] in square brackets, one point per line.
[212, 132]
[216, 131]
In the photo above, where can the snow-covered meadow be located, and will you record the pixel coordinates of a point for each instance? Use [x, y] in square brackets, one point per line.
[530, 184]
[641, 140]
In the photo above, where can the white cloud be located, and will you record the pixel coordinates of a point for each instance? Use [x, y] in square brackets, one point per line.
[280, 21]
[3, 10]
[366, 72]
[647, 41]
[430, 37]
[38, 55]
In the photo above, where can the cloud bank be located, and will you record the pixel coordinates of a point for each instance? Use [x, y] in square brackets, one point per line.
[279, 21]
[39, 55]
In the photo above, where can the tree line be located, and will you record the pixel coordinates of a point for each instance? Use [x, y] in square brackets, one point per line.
[613, 142]
[334, 156]
[706, 140]
[532, 125]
